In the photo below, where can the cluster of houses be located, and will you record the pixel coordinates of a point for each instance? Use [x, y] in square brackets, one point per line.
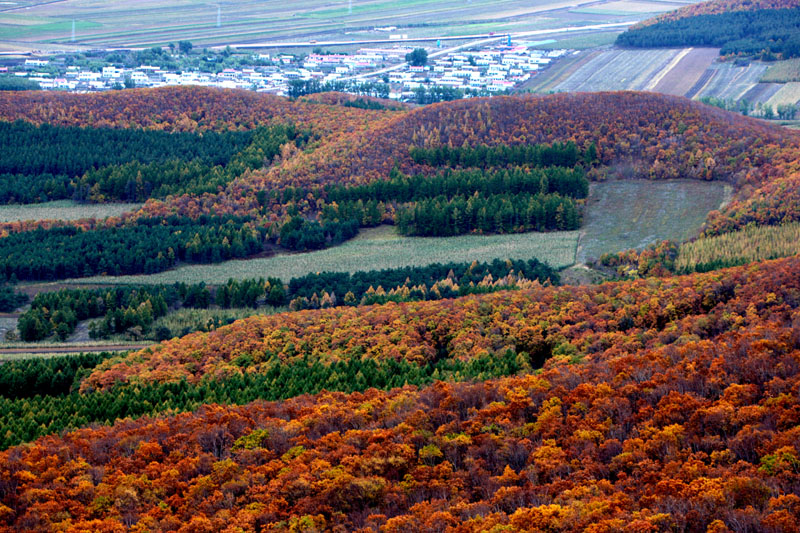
[495, 69]
[492, 69]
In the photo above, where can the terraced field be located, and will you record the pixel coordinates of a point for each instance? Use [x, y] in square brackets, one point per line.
[783, 71]
[618, 69]
[730, 82]
[789, 93]
[670, 71]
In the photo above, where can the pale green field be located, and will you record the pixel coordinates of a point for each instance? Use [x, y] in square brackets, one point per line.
[376, 248]
[782, 71]
[63, 210]
[788, 94]
[581, 42]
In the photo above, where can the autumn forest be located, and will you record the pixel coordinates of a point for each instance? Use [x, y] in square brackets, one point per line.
[451, 396]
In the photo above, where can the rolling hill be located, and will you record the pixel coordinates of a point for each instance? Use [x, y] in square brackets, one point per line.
[656, 403]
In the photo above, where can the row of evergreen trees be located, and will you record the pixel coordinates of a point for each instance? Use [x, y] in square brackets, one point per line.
[122, 308]
[359, 284]
[10, 299]
[24, 418]
[765, 33]
[501, 213]
[54, 376]
[515, 180]
[483, 156]
[147, 246]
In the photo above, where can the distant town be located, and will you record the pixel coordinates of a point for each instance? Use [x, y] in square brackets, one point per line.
[397, 72]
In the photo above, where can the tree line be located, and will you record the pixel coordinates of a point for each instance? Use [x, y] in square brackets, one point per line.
[500, 213]
[132, 309]
[514, 180]
[10, 299]
[147, 246]
[298, 88]
[56, 405]
[54, 376]
[483, 156]
[409, 284]
[767, 34]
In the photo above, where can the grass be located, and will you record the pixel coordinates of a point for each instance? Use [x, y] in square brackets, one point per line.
[20, 30]
[581, 42]
[782, 71]
[751, 244]
[788, 94]
[376, 248]
[62, 210]
[634, 213]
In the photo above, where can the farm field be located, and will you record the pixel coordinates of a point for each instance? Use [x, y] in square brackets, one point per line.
[158, 22]
[686, 72]
[789, 93]
[63, 210]
[375, 249]
[628, 7]
[638, 70]
[634, 213]
[783, 71]
[729, 82]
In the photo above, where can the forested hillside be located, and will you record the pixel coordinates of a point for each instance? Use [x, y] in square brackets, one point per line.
[664, 404]
[445, 397]
[303, 175]
[715, 7]
[766, 34]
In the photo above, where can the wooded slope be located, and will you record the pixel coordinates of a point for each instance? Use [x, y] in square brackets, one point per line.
[690, 429]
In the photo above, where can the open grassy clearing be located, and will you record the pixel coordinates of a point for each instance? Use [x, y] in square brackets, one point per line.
[629, 214]
[783, 71]
[376, 248]
[63, 210]
[744, 246]
[620, 215]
